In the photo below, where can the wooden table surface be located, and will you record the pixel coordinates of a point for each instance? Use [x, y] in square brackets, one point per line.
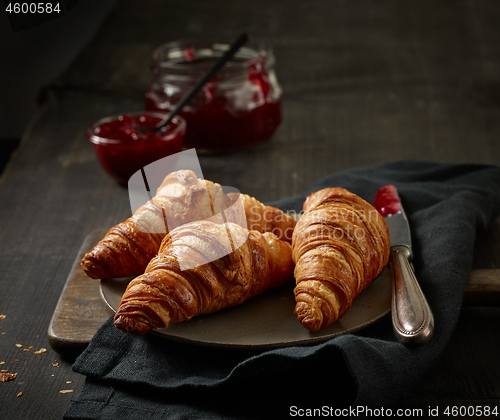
[364, 83]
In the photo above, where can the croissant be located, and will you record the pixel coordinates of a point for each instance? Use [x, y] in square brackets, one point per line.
[220, 276]
[128, 247]
[340, 244]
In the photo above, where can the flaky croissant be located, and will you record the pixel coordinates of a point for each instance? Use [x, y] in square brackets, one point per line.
[165, 293]
[128, 247]
[340, 245]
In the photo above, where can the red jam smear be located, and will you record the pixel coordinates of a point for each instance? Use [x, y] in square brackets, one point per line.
[189, 53]
[123, 148]
[387, 201]
[213, 125]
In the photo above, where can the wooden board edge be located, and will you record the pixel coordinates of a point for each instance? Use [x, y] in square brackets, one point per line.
[68, 315]
[483, 287]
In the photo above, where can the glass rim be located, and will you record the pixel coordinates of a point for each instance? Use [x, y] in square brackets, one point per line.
[180, 125]
[169, 56]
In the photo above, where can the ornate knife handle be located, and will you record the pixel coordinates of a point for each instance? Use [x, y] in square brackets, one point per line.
[412, 317]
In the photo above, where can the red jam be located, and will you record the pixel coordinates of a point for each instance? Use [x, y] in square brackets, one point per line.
[240, 107]
[387, 201]
[123, 148]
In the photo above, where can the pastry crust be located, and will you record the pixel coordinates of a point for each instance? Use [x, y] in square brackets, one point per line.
[340, 245]
[165, 293]
[264, 218]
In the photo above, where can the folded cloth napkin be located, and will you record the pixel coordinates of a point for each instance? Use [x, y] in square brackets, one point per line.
[137, 377]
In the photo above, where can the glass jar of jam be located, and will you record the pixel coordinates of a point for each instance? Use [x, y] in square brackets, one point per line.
[239, 107]
[124, 145]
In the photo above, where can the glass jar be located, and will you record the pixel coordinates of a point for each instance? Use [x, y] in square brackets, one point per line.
[239, 107]
[123, 143]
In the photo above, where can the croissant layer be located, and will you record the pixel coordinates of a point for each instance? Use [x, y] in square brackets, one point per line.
[264, 218]
[340, 245]
[221, 274]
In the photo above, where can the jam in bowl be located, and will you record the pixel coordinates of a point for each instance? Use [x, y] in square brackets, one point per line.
[123, 144]
[239, 107]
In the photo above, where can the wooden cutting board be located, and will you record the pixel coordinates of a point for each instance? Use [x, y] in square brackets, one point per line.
[80, 310]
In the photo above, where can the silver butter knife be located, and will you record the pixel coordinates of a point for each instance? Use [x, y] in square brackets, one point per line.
[412, 317]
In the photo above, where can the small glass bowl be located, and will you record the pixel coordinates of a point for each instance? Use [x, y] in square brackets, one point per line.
[123, 147]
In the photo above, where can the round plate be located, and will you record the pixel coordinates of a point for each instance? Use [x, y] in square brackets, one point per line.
[266, 320]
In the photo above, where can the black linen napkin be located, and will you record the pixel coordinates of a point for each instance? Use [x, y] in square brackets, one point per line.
[137, 377]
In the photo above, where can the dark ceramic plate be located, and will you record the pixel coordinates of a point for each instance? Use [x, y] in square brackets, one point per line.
[267, 320]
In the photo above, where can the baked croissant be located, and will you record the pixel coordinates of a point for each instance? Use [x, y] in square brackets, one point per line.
[340, 244]
[128, 247]
[165, 293]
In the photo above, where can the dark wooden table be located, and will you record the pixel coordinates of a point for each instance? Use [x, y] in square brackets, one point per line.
[364, 83]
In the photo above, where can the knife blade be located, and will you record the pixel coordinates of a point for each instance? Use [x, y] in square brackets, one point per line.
[412, 318]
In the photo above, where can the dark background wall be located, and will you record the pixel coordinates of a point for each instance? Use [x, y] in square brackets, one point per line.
[33, 57]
